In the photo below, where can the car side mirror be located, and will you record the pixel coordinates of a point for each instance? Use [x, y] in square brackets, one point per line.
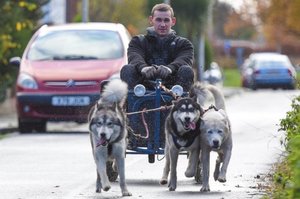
[15, 61]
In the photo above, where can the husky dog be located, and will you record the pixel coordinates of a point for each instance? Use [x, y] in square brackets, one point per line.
[182, 134]
[108, 134]
[215, 133]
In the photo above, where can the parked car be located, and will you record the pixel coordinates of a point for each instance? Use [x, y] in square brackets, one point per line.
[61, 70]
[271, 70]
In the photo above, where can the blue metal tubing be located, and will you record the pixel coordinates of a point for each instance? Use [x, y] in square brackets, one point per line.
[157, 117]
[140, 150]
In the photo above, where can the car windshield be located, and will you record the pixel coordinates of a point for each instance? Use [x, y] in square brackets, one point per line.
[76, 45]
[271, 64]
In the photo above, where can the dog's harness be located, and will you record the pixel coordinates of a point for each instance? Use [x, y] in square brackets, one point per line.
[189, 139]
[210, 107]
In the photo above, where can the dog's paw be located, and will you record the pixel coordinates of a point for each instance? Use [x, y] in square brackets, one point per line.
[189, 173]
[163, 181]
[222, 179]
[126, 193]
[98, 190]
[205, 188]
[172, 186]
[106, 188]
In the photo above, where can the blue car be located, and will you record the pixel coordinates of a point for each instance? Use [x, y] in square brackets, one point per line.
[268, 70]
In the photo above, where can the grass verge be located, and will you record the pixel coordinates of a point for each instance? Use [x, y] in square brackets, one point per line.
[232, 77]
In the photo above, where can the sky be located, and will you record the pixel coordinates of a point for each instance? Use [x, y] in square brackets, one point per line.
[236, 4]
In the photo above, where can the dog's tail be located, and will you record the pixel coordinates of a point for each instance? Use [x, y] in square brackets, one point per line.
[219, 97]
[204, 93]
[115, 91]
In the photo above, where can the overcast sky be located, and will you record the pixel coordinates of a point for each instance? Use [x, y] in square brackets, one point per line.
[235, 3]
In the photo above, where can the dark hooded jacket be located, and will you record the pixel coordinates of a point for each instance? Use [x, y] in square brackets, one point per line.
[172, 51]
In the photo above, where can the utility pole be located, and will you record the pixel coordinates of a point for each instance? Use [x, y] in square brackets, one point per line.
[201, 47]
[201, 57]
[85, 10]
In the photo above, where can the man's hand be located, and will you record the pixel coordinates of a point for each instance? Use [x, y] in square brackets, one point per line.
[149, 72]
[163, 71]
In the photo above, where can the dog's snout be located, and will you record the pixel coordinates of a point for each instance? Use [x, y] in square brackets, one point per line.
[102, 135]
[216, 143]
[187, 119]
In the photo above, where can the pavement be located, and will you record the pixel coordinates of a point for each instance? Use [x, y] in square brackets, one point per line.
[9, 121]
[8, 116]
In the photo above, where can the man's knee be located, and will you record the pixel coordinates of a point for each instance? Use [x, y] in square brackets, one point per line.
[185, 77]
[129, 75]
[186, 72]
[126, 71]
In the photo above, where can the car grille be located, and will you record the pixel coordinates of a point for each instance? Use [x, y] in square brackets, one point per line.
[70, 83]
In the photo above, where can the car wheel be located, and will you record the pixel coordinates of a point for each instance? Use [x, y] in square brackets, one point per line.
[40, 126]
[292, 87]
[253, 87]
[30, 126]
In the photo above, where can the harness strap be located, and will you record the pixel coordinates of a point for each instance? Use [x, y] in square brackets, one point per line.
[189, 138]
[210, 107]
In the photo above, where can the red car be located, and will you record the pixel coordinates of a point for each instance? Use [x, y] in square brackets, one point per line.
[61, 71]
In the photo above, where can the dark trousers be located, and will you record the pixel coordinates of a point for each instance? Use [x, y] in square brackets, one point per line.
[183, 77]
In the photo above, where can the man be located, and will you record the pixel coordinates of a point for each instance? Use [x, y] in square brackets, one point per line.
[160, 54]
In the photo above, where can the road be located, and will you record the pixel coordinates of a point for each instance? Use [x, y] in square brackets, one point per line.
[59, 164]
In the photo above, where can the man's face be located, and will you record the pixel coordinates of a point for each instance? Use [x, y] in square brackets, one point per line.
[162, 22]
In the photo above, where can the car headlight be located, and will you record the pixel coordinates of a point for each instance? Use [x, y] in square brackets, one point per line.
[177, 90]
[27, 82]
[139, 90]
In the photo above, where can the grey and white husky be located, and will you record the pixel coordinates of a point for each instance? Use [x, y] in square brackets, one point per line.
[215, 132]
[108, 133]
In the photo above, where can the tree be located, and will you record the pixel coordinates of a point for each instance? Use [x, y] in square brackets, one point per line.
[18, 21]
[128, 12]
[239, 27]
[221, 12]
[280, 19]
[194, 15]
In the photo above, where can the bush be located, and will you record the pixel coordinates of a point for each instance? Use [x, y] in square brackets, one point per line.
[286, 179]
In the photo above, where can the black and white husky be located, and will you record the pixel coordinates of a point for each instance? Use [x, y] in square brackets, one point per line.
[108, 133]
[182, 130]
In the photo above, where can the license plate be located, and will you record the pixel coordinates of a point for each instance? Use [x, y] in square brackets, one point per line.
[70, 101]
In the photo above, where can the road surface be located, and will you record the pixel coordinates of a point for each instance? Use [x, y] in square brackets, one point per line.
[59, 164]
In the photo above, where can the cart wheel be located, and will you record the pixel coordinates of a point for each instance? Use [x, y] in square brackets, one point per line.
[111, 173]
[198, 175]
[151, 158]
